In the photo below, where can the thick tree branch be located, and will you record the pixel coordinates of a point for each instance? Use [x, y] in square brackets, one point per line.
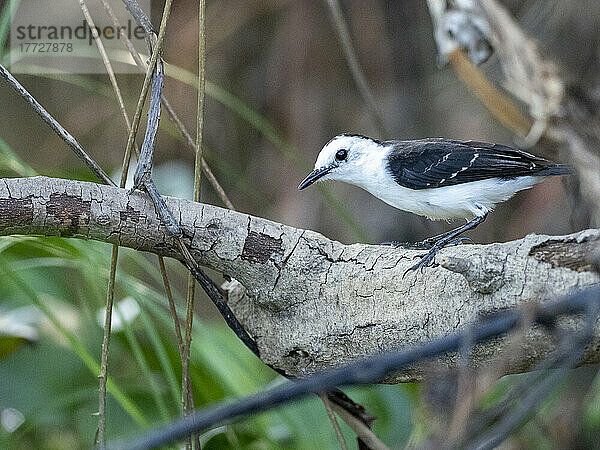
[309, 302]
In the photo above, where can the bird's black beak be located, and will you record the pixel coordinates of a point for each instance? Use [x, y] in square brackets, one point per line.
[314, 176]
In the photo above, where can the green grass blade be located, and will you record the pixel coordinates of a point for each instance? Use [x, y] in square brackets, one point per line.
[10, 160]
[161, 351]
[5, 20]
[140, 359]
[77, 347]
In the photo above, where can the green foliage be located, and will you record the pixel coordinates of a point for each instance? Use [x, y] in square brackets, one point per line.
[53, 383]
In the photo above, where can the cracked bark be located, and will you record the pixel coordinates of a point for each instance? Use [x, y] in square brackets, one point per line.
[309, 302]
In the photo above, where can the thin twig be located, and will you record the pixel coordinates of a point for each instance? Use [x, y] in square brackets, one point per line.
[107, 64]
[101, 432]
[185, 133]
[173, 311]
[497, 103]
[172, 307]
[210, 176]
[362, 431]
[187, 343]
[339, 399]
[149, 71]
[191, 286]
[56, 127]
[140, 16]
[334, 422]
[350, 53]
[369, 370]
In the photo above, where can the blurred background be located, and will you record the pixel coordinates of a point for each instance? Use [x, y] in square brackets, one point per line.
[279, 87]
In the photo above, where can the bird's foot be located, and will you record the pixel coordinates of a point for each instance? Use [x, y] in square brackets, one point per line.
[426, 244]
[425, 261]
[423, 245]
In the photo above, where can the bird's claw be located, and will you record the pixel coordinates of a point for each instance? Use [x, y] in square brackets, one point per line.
[458, 241]
[425, 261]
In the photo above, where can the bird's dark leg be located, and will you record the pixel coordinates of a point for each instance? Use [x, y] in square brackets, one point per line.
[425, 244]
[446, 240]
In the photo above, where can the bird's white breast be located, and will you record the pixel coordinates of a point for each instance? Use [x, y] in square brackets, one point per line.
[465, 200]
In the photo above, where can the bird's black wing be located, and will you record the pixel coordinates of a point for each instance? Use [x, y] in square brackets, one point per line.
[433, 163]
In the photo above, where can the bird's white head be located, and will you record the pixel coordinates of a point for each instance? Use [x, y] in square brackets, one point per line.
[347, 157]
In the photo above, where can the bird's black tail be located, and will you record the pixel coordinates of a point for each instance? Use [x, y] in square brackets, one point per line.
[556, 169]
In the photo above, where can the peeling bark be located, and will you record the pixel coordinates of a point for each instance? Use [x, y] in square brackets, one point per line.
[309, 302]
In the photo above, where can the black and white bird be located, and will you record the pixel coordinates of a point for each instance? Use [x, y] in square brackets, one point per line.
[437, 178]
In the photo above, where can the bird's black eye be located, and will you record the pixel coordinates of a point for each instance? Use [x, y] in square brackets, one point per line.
[341, 154]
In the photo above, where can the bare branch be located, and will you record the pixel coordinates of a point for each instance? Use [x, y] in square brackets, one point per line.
[56, 127]
[311, 303]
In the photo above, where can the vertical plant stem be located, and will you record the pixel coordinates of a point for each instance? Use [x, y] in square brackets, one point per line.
[172, 308]
[363, 432]
[178, 334]
[186, 382]
[106, 61]
[200, 111]
[343, 33]
[105, 342]
[114, 257]
[110, 295]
